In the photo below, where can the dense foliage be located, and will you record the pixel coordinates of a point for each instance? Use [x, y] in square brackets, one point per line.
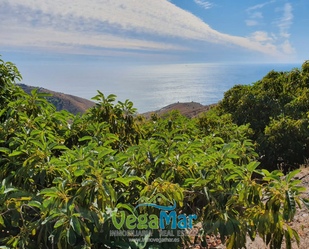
[277, 108]
[63, 177]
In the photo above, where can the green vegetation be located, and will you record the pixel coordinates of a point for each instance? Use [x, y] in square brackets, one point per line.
[277, 109]
[64, 177]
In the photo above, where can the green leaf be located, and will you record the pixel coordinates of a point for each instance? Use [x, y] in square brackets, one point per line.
[79, 172]
[272, 178]
[161, 135]
[44, 94]
[290, 209]
[299, 188]
[129, 179]
[74, 222]
[113, 193]
[288, 240]
[106, 188]
[71, 237]
[5, 150]
[292, 174]
[178, 137]
[87, 182]
[296, 236]
[231, 177]
[84, 138]
[252, 166]
[52, 192]
[17, 153]
[231, 241]
[15, 242]
[265, 172]
[111, 96]
[33, 92]
[230, 155]
[189, 181]
[50, 218]
[306, 202]
[126, 206]
[7, 190]
[60, 147]
[104, 153]
[38, 144]
[35, 204]
[60, 222]
[159, 160]
[295, 182]
[1, 221]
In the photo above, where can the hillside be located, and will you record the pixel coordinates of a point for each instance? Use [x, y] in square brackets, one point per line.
[189, 109]
[76, 104]
[63, 101]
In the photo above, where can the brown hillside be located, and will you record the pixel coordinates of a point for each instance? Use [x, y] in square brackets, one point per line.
[63, 101]
[189, 109]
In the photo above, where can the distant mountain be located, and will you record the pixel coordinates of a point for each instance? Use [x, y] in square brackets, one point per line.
[189, 109]
[63, 101]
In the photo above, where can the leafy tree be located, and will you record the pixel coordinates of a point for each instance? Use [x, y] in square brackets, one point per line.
[276, 108]
[64, 178]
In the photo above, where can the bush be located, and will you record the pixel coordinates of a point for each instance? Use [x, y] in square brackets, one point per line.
[276, 108]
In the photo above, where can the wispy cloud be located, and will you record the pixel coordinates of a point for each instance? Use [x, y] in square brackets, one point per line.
[140, 25]
[257, 15]
[251, 22]
[285, 22]
[204, 4]
[259, 6]
[261, 36]
[49, 37]
[287, 48]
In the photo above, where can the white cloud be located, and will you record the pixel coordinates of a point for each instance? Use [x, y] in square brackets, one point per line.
[259, 6]
[285, 22]
[260, 36]
[274, 36]
[44, 37]
[257, 15]
[287, 48]
[121, 24]
[251, 22]
[204, 4]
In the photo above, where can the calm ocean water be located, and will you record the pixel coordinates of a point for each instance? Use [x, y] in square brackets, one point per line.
[153, 87]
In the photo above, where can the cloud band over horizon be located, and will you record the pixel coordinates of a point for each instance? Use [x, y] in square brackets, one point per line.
[124, 26]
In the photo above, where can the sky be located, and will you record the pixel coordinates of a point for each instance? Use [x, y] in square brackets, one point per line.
[154, 31]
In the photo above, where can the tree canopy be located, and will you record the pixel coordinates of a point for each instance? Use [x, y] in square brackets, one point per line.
[64, 177]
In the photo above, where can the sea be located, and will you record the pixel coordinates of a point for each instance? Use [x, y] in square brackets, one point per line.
[151, 87]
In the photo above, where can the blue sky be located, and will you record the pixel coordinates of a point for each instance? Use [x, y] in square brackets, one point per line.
[154, 31]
